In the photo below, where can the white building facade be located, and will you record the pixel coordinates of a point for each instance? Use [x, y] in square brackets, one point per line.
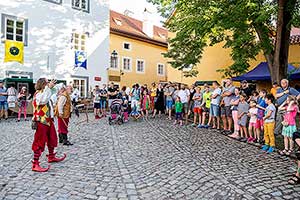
[52, 31]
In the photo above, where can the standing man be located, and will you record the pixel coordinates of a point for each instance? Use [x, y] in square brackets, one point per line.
[191, 100]
[112, 93]
[282, 93]
[169, 90]
[43, 114]
[226, 113]
[246, 89]
[63, 113]
[215, 105]
[3, 101]
[184, 95]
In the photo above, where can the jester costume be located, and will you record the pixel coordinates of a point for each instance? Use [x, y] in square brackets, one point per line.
[45, 131]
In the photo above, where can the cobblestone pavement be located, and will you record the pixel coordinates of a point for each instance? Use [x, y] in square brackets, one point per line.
[149, 159]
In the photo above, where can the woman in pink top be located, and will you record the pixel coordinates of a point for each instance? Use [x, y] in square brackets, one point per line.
[289, 124]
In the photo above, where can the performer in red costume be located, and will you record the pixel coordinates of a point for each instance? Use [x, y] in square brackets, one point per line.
[45, 130]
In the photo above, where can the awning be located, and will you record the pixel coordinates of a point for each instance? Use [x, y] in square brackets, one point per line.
[26, 80]
[261, 73]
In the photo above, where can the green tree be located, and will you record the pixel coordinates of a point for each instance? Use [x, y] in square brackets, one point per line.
[246, 26]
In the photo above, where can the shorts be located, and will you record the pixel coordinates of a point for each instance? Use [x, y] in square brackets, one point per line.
[226, 111]
[252, 124]
[214, 110]
[102, 103]
[243, 121]
[197, 110]
[97, 105]
[205, 110]
[3, 105]
[178, 116]
[185, 107]
[169, 104]
[259, 123]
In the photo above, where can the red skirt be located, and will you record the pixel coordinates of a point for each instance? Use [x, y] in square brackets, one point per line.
[44, 134]
[63, 124]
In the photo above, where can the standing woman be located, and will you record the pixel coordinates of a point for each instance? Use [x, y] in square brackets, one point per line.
[160, 102]
[153, 96]
[22, 98]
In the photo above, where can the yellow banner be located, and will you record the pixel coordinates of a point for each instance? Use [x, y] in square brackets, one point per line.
[14, 51]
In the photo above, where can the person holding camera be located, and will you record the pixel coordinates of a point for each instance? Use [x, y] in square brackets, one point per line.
[43, 124]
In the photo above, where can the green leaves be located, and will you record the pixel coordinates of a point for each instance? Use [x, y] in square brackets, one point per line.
[246, 27]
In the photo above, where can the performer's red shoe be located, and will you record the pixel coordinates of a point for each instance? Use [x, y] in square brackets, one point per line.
[52, 158]
[37, 168]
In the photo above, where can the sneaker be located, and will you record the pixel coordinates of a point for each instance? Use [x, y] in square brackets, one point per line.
[174, 123]
[206, 126]
[194, 125]
[243, 139]
[265, 147]
[200, 126]
[271, 149]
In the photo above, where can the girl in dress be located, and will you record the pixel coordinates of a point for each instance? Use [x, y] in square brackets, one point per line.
[289, 124]
[145, 103]
[252, 123]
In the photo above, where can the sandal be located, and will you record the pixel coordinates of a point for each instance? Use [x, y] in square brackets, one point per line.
[283, 152]
[295, 180]
[289, 152]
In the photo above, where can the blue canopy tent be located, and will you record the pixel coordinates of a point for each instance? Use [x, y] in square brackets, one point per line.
[261, 73]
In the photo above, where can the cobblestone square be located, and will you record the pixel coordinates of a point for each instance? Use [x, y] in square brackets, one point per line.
[149, 159]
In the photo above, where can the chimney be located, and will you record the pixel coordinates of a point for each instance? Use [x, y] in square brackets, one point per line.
[147, 24]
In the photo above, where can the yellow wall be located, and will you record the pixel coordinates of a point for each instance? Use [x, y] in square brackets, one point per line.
[151, 54]
[217, 57]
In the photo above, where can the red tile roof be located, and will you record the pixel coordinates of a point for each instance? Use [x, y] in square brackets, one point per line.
[129, 27]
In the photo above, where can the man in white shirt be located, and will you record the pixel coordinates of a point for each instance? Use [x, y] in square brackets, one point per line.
[184, 95]
[215, 105]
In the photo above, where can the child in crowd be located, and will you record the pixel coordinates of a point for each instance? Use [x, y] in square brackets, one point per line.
[178, 111]
[252, 122]
[243, 109]
[145, 103]
[125, 106]
[269, 124]
[135, 113]
[197, 106]
[96, 94]
[206, 107]
[22, 98]
[254, 97]
[261, 105]
[289, 124]
[235, 114]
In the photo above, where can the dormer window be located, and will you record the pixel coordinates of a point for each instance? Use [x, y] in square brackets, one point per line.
[118, 22]
[163, 36]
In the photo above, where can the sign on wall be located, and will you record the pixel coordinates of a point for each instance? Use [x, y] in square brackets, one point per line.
[14, 51]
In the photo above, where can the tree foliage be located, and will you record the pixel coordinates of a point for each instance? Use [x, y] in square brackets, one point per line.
[247, 27]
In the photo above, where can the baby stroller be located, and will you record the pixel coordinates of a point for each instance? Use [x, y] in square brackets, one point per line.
[116, 113]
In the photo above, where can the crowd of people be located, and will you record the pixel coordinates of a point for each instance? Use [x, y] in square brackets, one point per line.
[239, 112]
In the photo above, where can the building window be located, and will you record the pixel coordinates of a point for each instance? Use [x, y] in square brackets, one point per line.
[79, 41]
[81, 85]
[126, 46]
[83, 5]
[14, 28]
[55, 1]
[114, 60]
[126, 64]
[140, 66]
[161, 69]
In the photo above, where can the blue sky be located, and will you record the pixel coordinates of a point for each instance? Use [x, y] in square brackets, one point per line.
[137, 7]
